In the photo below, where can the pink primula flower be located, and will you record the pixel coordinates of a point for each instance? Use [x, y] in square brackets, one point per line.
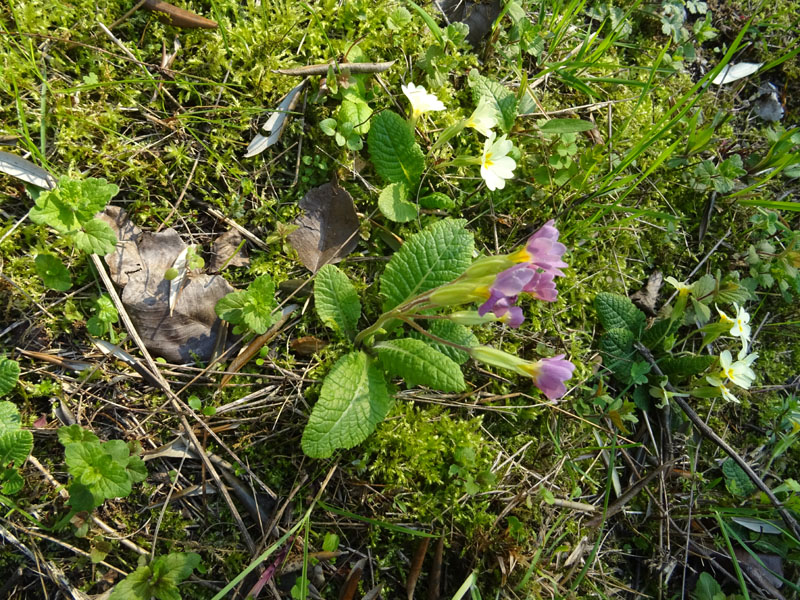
[543, 251]
[549, 375]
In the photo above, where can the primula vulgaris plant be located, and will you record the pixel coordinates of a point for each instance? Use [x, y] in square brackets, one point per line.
[430, 275]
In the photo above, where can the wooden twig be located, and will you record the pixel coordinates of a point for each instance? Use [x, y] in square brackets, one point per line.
[177, 404]
[322, 69]
[790, 521]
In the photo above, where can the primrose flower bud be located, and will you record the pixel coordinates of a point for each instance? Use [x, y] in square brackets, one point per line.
[496, 358]
[471, 318]
[461, 292]
[488, 265]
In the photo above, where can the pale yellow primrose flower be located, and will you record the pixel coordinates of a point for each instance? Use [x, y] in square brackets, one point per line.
[740, 326]
[496, 165]
[421, 100]
[723, 389]
[683, 288]
[483, 118]
[738, 372]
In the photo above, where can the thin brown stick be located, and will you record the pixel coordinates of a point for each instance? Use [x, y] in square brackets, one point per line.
[322, 69]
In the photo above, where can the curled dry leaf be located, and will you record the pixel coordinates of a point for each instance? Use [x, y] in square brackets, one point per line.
[226, 252]
[23, 169]
[276, 122]
[647, 297]
[308, 345]
[138, 265]
[179, 17]
[328, 231]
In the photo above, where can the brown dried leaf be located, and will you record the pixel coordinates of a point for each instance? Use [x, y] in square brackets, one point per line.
[224, 252]
[647, 297]
[351, 583]
[328, 231]
[308, 345]
[179, 17]
[139, 264]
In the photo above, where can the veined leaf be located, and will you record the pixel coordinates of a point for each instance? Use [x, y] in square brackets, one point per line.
[160, 578]
[394, 205]
[95, 468]
[353, 400]
[336, 300]
[96, 237]
[685, 366]
[420, 364]
[9, 417]
[394, 152]
[15, 447]
[53, 272]
[617, 311]
[434, 256]
[616, 346]
[9, 373]
[356, 112]
[75, 433]
[503, 101]
[452, 332]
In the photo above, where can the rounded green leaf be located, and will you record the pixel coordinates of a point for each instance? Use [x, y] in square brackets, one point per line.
[393, 203]
[353, 400]
[53, 272]
[357, 113]
[96, 237]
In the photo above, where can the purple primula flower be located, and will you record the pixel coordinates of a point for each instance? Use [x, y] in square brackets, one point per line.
[542, 286]
[504, 291]
[549, 375]
[543, 251]
[511, 315]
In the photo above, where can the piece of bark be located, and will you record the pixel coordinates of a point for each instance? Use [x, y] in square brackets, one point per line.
[179, 17]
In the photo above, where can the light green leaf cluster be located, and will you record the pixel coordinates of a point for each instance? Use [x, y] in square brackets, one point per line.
[336, 301]
[501, 99]
[354, 399]
[15, 446]
[250, 309]
[434, 256]
[159, 579]
[100, 470]
[70, 207]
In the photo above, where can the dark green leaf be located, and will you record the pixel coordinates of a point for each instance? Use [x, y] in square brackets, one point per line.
[394, 152]
[53, 272]
[686, 366]
[420, 364]
[617, 311]
[15, 446]
[9, 373]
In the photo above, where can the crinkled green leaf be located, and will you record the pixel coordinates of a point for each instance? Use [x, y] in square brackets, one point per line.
[95, 237]
[617, 311]
[118, 450]
[15, 447]
[160, 579]
[75, 433]
[394, 204]
[53, 272]
[50, 210]
[616, 346]
[503, 101]
[452, 332]
[135, 586]
[72, 203]
[175, 567]
[9, 417]
[97, 470]
[353, 400]
[437, 201]
[336, 300]
[137, 469]
[394, 152]
[420, 364]
[229, 307]
[736, 480]
[685, 366]
[356, 112]
[655, 336]
[434, 256]
[9, 373]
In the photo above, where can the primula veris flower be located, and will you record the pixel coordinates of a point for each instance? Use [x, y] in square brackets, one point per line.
[738, 372]
[496, 165]
[421, 100]
[543, 251]
[483, 118]
[722, 389]
[549, 374]
[504, 291]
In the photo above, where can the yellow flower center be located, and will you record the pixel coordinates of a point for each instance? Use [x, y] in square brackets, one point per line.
[487, 160]
[521, 256]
